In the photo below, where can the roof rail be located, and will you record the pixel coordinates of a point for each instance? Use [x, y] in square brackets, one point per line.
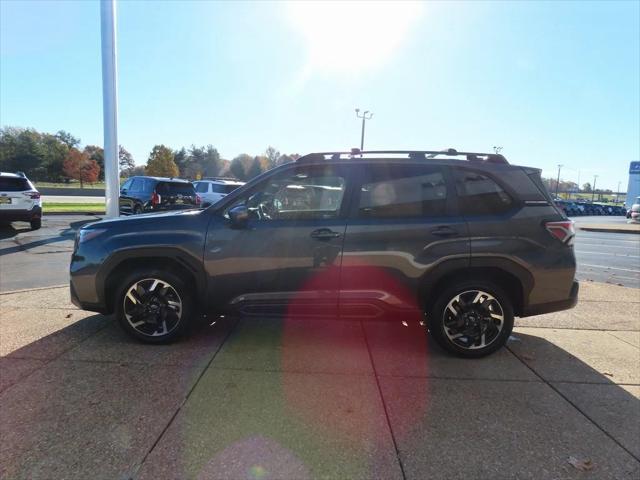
[355, 153]
[233, 179]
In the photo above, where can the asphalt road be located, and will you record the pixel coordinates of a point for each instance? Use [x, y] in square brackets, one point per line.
[41, 258]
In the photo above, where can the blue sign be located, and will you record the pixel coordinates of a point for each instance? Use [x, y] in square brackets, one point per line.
[634, 167]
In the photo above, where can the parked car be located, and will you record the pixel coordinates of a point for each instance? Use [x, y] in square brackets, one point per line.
[635, 210]
[212, 190]
[19, 200]
[465, 241]
[156, 194]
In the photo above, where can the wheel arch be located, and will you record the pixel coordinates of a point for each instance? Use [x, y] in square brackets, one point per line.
[122, 263]
[514, 280]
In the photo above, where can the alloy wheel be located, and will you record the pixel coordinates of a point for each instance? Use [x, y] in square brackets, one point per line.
[473, 319]
[152, 307]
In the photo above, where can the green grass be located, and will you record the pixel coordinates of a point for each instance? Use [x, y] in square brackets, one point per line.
[57, 207]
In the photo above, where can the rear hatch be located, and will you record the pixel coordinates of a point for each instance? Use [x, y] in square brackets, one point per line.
[17, 193]
[175, 196]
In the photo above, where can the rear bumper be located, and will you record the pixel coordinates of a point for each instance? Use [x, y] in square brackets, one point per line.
[565, 304]
[21, 215]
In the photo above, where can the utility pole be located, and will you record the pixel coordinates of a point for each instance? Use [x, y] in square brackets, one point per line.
[110, 107]
[366, 115]
[558, 180]
[593, 190]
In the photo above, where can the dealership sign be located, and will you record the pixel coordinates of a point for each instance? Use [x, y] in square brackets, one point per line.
[634, 167]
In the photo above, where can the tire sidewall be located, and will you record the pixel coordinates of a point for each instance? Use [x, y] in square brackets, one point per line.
[188, 306]
[436, 321]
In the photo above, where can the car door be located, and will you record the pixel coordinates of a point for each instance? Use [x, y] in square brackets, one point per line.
[286, 259]
[127, 195]
[402, 231]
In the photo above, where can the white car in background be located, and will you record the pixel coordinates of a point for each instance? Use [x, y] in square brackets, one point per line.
[19, 200]
[635, 210]
[210, 190]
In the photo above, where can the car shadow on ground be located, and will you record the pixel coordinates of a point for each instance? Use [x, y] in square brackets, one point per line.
[302, 397]
[12, 230]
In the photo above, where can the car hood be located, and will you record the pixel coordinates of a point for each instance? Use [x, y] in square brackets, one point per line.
[134, 221]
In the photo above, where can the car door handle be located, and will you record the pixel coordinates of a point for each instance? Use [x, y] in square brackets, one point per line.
[444, 232]
[324, 234]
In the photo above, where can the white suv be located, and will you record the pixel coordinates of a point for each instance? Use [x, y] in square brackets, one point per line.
[19, 200]
[210, 190]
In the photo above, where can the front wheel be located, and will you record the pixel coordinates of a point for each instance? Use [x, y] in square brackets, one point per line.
[471, 319]
[154, 306]
[36, 223]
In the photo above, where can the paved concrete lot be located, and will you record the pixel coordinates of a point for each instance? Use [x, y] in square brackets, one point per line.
[39, 258]
[607, 257]
[602, 257]
[293, 398]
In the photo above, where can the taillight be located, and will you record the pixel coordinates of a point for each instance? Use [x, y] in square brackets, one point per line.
[562, 230]
[32, 195]
[155, 199]
[198, 199]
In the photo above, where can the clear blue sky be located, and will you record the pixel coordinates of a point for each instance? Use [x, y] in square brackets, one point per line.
[551, 82]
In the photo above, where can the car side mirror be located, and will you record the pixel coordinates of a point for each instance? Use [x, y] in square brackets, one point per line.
[239, 216]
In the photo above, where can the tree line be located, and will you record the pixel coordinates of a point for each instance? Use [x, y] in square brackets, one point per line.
[58, 157]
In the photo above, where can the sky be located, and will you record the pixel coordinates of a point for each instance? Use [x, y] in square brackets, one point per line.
[550, 82]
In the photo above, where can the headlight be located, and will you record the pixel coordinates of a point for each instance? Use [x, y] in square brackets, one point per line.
[86, 235]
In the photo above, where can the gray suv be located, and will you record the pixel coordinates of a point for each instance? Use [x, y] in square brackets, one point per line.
[461, 242]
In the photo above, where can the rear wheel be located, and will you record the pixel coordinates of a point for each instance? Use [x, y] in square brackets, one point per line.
[154, 306]
[471, 319]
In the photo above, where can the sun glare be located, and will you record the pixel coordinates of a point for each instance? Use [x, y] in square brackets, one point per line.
[352, 34]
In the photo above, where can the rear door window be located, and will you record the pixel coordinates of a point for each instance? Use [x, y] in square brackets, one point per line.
[14, 184]
[479, 194]
[402, 191]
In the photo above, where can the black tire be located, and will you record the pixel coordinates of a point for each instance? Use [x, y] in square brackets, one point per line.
[437, 313]
[185, 297]
[137, 210]
[36, 223]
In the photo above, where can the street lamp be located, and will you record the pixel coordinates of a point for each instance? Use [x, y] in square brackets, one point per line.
[366, 115]
[558, 180]
[593, 190]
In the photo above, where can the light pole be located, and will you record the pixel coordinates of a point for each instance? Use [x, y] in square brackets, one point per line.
[497, 150]
[366, 115]
[558, 180]
[110, 107]
[593, 190]
[618, 192]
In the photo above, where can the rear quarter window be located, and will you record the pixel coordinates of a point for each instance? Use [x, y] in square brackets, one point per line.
[479, 194]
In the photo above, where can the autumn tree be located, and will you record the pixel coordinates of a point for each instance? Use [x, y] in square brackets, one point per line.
[79, 166]
[241, 166]
[125, 161]
[161, 163]
[272, 156]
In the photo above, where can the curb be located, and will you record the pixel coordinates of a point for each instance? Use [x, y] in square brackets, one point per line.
[33, 289]
[609, 230]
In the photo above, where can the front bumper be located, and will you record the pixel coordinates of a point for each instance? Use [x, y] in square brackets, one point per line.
[565, 304]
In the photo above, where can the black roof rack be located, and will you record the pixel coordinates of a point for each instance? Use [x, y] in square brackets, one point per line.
[233, 179]
[355, 153]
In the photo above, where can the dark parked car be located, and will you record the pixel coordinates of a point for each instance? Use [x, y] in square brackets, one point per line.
[464, 241]
[156, 194]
